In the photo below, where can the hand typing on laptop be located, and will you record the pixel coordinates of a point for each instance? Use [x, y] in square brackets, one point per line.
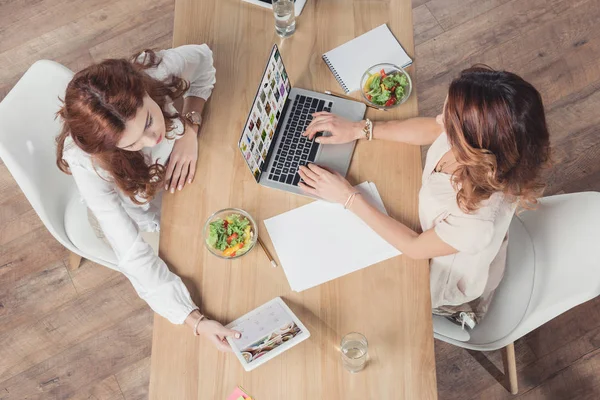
[341, 130]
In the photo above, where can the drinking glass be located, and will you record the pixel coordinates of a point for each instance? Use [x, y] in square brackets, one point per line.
[354, 351]
[285, 17]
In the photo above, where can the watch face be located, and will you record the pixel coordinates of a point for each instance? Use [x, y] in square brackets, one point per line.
[194, 117]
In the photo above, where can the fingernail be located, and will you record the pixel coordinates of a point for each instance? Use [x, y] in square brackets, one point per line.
[189, 181]
[318, 140]
[166, 187]
[179, 187]
[172, 190]
[238, 335]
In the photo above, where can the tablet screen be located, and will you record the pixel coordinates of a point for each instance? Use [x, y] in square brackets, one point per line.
[264, 331]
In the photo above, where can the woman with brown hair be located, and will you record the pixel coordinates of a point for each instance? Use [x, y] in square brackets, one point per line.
[124, 142]
[487, 151]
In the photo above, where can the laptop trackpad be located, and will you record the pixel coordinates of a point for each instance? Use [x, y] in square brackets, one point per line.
[335, 156]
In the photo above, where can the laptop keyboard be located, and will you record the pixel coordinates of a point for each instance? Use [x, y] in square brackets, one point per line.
[294, 149]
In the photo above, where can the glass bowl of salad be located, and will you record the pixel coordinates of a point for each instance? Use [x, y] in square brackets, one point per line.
[230, 233]
[385, 86]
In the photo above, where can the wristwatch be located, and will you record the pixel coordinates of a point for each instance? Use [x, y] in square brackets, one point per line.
[194, 118]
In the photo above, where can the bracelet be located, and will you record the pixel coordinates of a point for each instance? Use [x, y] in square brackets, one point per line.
[368, 129]
[202, 317]
[350, 198]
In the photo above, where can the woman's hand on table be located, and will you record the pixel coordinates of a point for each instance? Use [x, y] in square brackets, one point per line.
[216, 333]
[322, 183]
[342, 130]
[182, 162]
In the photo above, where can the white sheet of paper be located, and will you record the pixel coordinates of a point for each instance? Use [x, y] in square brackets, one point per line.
[321, 241]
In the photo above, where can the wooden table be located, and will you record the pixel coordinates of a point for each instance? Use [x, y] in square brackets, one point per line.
[389, 303]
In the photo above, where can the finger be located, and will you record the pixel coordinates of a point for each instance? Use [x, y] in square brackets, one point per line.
[316, 169]
[326, 139]
[314, 126]
[185, 170]
[169, 173]
[192, 172]
[175, 177]
[218, 343]
[229, 332]
[308, 172]
[305, 178]
[322, 113]
[307, 189]
[224, 346]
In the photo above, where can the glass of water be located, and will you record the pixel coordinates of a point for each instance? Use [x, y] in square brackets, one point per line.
[285, 17]
[354, 351]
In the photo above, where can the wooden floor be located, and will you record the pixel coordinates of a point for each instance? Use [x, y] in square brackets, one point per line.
[86, 335]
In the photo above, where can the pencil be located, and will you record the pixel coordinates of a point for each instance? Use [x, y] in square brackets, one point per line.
[269, 256]
[342, 96]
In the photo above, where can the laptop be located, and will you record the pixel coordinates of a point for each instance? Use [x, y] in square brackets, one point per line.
[272, 143]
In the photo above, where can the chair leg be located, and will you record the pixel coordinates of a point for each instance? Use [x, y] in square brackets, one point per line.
[74, 261]
[510, 367]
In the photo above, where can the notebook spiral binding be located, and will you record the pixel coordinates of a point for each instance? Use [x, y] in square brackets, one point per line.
[336, 75]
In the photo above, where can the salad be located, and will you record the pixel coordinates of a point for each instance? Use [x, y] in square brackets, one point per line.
[386, 89]
[232, 235]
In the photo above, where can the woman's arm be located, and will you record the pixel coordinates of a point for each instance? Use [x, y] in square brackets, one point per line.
[414, 245]
[333, 187]
[417, 131]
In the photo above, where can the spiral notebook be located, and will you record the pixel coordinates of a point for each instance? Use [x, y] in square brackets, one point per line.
[349, 61]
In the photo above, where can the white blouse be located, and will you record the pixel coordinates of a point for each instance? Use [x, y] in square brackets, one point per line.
[478, 266]
[122, 220]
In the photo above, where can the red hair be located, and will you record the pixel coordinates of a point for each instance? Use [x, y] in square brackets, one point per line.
[99, 101]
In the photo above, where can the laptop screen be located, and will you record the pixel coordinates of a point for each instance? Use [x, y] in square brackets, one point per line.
[259, 131]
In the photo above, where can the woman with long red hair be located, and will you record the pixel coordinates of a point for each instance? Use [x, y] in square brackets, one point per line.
[123, 142]
[488, 148]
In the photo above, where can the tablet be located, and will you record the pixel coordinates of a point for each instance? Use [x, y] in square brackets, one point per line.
[266, 332]
[298, 4]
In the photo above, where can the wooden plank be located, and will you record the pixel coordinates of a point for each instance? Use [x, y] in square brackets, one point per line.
[426, 26]
[457, 367]
[536, 377]
[90, 275]
[154, 34]
[17, 259]
[484, 32]
[17, 227]
[23, 22]
[84, 364]
[451, 13]
[20, 299]
[45, 336]
[134, 380]
[538, 53]
[81, 34]
[107, 389]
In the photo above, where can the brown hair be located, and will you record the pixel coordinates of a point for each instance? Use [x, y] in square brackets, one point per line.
[496, 125]
[99, 101]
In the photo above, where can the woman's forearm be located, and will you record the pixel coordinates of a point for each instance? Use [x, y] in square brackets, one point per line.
[417, 131]
[418, 246]
[394, 232]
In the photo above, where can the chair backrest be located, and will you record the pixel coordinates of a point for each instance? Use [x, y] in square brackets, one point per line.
[552, 266]
[28, 129]
[565, 232]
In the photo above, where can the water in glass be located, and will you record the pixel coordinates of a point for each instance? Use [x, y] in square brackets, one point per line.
[354, 352]
[285, 17]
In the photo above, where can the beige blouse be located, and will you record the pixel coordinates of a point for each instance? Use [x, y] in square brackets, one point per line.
[479, 237]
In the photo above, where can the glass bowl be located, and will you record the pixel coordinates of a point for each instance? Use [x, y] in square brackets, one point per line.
[222, 215]
[388, 69]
